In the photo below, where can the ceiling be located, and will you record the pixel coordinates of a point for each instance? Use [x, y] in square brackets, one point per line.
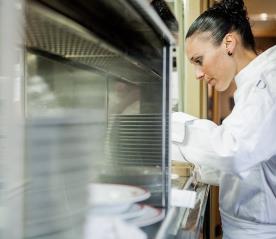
[262, 14]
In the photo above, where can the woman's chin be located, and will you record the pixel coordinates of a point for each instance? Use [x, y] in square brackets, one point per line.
[220, 88]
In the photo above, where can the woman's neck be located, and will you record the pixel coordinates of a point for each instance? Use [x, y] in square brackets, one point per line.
[244, 57]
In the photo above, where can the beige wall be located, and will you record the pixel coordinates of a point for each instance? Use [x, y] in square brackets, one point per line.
[192, 86]
[195, 91]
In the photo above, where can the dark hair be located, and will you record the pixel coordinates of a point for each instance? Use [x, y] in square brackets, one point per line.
[223, 17]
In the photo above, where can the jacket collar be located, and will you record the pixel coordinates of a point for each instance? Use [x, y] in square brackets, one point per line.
[245, 74]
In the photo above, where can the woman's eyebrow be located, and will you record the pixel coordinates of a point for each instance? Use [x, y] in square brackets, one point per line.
[194, 59]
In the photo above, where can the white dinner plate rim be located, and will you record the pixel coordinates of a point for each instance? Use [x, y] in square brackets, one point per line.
[145, 194]
[143, 221]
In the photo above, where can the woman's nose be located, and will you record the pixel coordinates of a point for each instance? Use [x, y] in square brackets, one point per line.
[199, 73]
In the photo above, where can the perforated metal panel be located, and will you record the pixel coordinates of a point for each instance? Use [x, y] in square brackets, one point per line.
[53, 33]
[135, 139]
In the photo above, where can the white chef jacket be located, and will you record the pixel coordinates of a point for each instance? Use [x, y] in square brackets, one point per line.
[243, 150]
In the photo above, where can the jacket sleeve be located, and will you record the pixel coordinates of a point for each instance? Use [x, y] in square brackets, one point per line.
[245, 138]
[207, 175]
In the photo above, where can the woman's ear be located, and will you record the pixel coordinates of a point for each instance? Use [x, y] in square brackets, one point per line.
[230, 42]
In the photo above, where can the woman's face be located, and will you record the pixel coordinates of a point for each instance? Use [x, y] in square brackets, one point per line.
[212, 63]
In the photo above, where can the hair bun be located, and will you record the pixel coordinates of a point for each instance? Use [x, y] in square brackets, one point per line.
[232, 8]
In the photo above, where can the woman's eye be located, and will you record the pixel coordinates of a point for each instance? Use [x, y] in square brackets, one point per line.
[198, 62]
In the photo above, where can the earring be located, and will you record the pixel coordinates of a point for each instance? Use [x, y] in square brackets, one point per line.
[230, 53]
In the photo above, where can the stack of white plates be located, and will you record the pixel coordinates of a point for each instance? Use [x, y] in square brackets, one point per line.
[123, 201]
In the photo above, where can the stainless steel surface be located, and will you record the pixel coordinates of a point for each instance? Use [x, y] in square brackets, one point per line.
[136, 141]
[155, 19]
[127, 142]
[53, 87]
[193, 219]
[58, 152]
[65, 110]
[174, 216]
[182, 223]
[11, 120]
[53, 33]
[71, 68]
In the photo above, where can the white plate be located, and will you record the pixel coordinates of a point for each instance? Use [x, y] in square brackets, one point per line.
[135, 210]
[150, 216]
[115, 197]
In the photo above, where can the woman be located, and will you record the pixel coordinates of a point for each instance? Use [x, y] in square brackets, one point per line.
[221, 46]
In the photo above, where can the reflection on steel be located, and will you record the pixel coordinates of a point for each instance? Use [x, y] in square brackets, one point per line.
[53, 33]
